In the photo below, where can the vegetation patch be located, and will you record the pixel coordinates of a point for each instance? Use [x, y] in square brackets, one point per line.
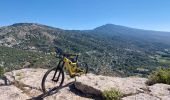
[112, 94]
[13, 59]
[2, 71]
[159, 76]
[163, 60]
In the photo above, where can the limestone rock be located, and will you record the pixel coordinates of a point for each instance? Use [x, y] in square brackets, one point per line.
[141, 96]
[66, 94]
[25, 84]
[11, 93]
[29, 81]
[160, 90]
[1, 82]
[95, 84]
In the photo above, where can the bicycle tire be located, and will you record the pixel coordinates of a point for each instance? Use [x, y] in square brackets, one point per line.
[44, 80]
[84, 66]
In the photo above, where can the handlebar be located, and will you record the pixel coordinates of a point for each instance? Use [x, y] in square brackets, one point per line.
[60, 53]
[69, 54]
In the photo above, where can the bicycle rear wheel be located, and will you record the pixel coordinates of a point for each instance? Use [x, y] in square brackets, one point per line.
[83, 66]
[52, 80]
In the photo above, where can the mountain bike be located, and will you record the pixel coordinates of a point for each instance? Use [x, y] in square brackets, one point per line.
[54, 77]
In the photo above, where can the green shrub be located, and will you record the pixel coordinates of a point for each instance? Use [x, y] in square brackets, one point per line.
[159, 76]
[112, 94]
[2, 71]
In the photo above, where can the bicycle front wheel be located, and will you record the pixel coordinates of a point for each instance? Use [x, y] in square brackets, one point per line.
[52, 80]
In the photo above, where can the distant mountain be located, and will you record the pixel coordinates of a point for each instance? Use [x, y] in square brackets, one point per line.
[109, 49]
[156, 36]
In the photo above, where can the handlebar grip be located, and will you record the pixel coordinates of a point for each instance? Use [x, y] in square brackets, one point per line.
[60, 53]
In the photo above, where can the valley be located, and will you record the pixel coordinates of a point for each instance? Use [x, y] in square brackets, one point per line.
[109, 49]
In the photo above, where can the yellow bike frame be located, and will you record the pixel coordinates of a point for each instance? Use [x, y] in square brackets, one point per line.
[72, 68]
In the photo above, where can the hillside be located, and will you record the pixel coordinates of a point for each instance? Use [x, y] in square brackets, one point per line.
[25, 84]
[109, 49]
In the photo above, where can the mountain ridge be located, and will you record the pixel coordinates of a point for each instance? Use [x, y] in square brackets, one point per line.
[107, 24]
[110, 24]
[106, 49]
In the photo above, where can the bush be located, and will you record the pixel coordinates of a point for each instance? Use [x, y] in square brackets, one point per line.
[159, 76]
[112, 94]
[2, 71]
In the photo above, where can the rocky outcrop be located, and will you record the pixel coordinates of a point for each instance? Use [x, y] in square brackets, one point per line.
[25, 84]
[94, 84]
[141, 96]
[161, 91]
[12, 93]
[28, 81]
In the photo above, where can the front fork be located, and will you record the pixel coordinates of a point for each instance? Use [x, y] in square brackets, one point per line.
[56, 80]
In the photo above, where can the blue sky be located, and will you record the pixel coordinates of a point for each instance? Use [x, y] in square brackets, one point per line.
[88, 14]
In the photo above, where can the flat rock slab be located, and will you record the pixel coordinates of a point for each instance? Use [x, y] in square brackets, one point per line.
[141, 96]
[31, 78]
[160, 90]
[2, 82]
[11, 93]
[26, 84]
[66, 94]
[28, 76]
[96, 84]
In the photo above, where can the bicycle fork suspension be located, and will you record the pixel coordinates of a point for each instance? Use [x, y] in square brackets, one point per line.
[56, 80]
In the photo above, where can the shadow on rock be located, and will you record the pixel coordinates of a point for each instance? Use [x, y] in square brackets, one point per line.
[51, 92]
[72, 89]
[80, 93]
